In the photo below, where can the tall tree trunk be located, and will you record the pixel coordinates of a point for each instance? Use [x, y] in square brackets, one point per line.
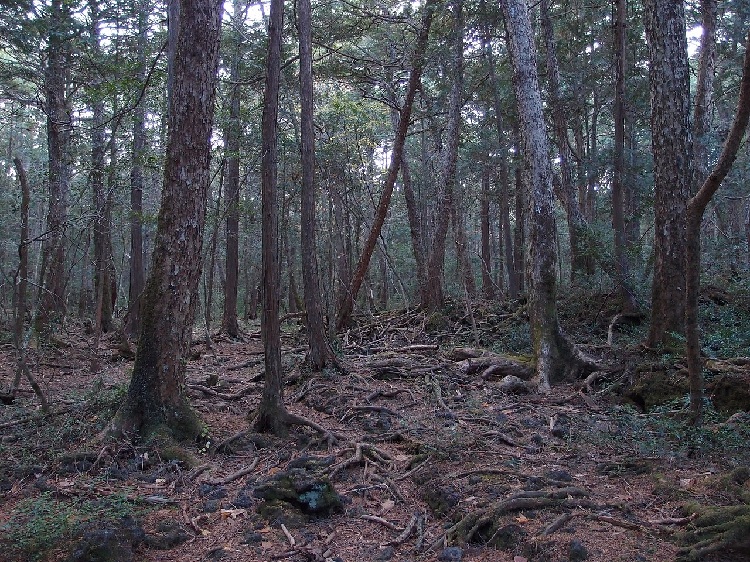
[504, 196]
[519, 236]
[622, 265]
[556, 357]
[59, 129]
[567, 192]
[156, 399]
[347, 306]
[695, 209]
[270, 416]
[488, 289]
[137, 273]
[232, 135]
[433, 297]
[319, 352]
[704, 92]
[669, 80]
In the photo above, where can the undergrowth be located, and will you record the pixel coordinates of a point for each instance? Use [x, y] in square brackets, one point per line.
[37, 525]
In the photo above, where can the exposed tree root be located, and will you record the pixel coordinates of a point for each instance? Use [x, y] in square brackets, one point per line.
[718, 529]
[482, 526]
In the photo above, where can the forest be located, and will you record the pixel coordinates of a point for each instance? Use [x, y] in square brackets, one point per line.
[337, 280]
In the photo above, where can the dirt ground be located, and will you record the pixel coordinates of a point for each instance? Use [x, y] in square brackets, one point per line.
[431, 459]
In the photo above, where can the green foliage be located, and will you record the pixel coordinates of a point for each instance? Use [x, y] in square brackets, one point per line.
[39, 524]
[666, 432]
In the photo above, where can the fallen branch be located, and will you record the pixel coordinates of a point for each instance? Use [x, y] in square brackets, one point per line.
[234, 476]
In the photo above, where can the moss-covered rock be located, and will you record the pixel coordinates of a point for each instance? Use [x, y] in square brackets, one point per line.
[653, 388]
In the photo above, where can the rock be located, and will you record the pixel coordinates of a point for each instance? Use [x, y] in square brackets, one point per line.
[561, 426]
[507, 537]
[252, 537]
[440, 499]
[451, 554]
[169, 535]
[296, 493]
[211, 506]
[559, 475]
[577, 552]
[511, 384]
[243, 501]
[385, 553]
[113, 542]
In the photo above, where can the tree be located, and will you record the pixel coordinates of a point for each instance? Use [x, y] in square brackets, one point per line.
[319, 353]
[669, 82]
[433, 297]
[271, 414]
[155, 400]
[59, 129]
[232, 135]
[137, 273]
[556, 357]
[622, 266]
[347, 305]
[695, 208]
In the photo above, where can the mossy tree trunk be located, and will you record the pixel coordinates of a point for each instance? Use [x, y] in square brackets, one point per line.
[156, 398]
[695, 209]
[556, 357]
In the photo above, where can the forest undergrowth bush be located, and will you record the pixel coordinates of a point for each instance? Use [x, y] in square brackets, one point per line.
[42, 523]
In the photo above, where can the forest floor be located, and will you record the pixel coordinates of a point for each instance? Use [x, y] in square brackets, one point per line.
[432, 459]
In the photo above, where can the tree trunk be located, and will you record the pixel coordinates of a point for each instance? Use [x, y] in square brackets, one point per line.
[433, 297]
[156, 401]
[319, 352]
[347, 306]
[504, 207]
[59, 128]
[488, 289]
[232, 135]
[567, 192]
[271, 413]
[556, 357]
[704, 92]
[137, 273]
[622, 265]
[669, 80]
[695, 209]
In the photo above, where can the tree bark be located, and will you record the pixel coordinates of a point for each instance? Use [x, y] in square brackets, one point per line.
[567, 192]
[319, 352]
[156, 402]
[232, 135]
[669, 81]
[137, 273]
[434, 297]
[622, 265]
[347, 305]
[556, 357]
[271, 413]
[695, 208]
[488, 289]
[59, 128]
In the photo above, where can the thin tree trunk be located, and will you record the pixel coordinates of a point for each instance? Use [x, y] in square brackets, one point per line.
[210, 271]
[270, 416]
[137, 273]
[704, 92]
[488, 289]
[622, 265]
[232, 135]
[695, 209]
[434, 297]
[319, 352]
[567, 192]
[347, 306]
